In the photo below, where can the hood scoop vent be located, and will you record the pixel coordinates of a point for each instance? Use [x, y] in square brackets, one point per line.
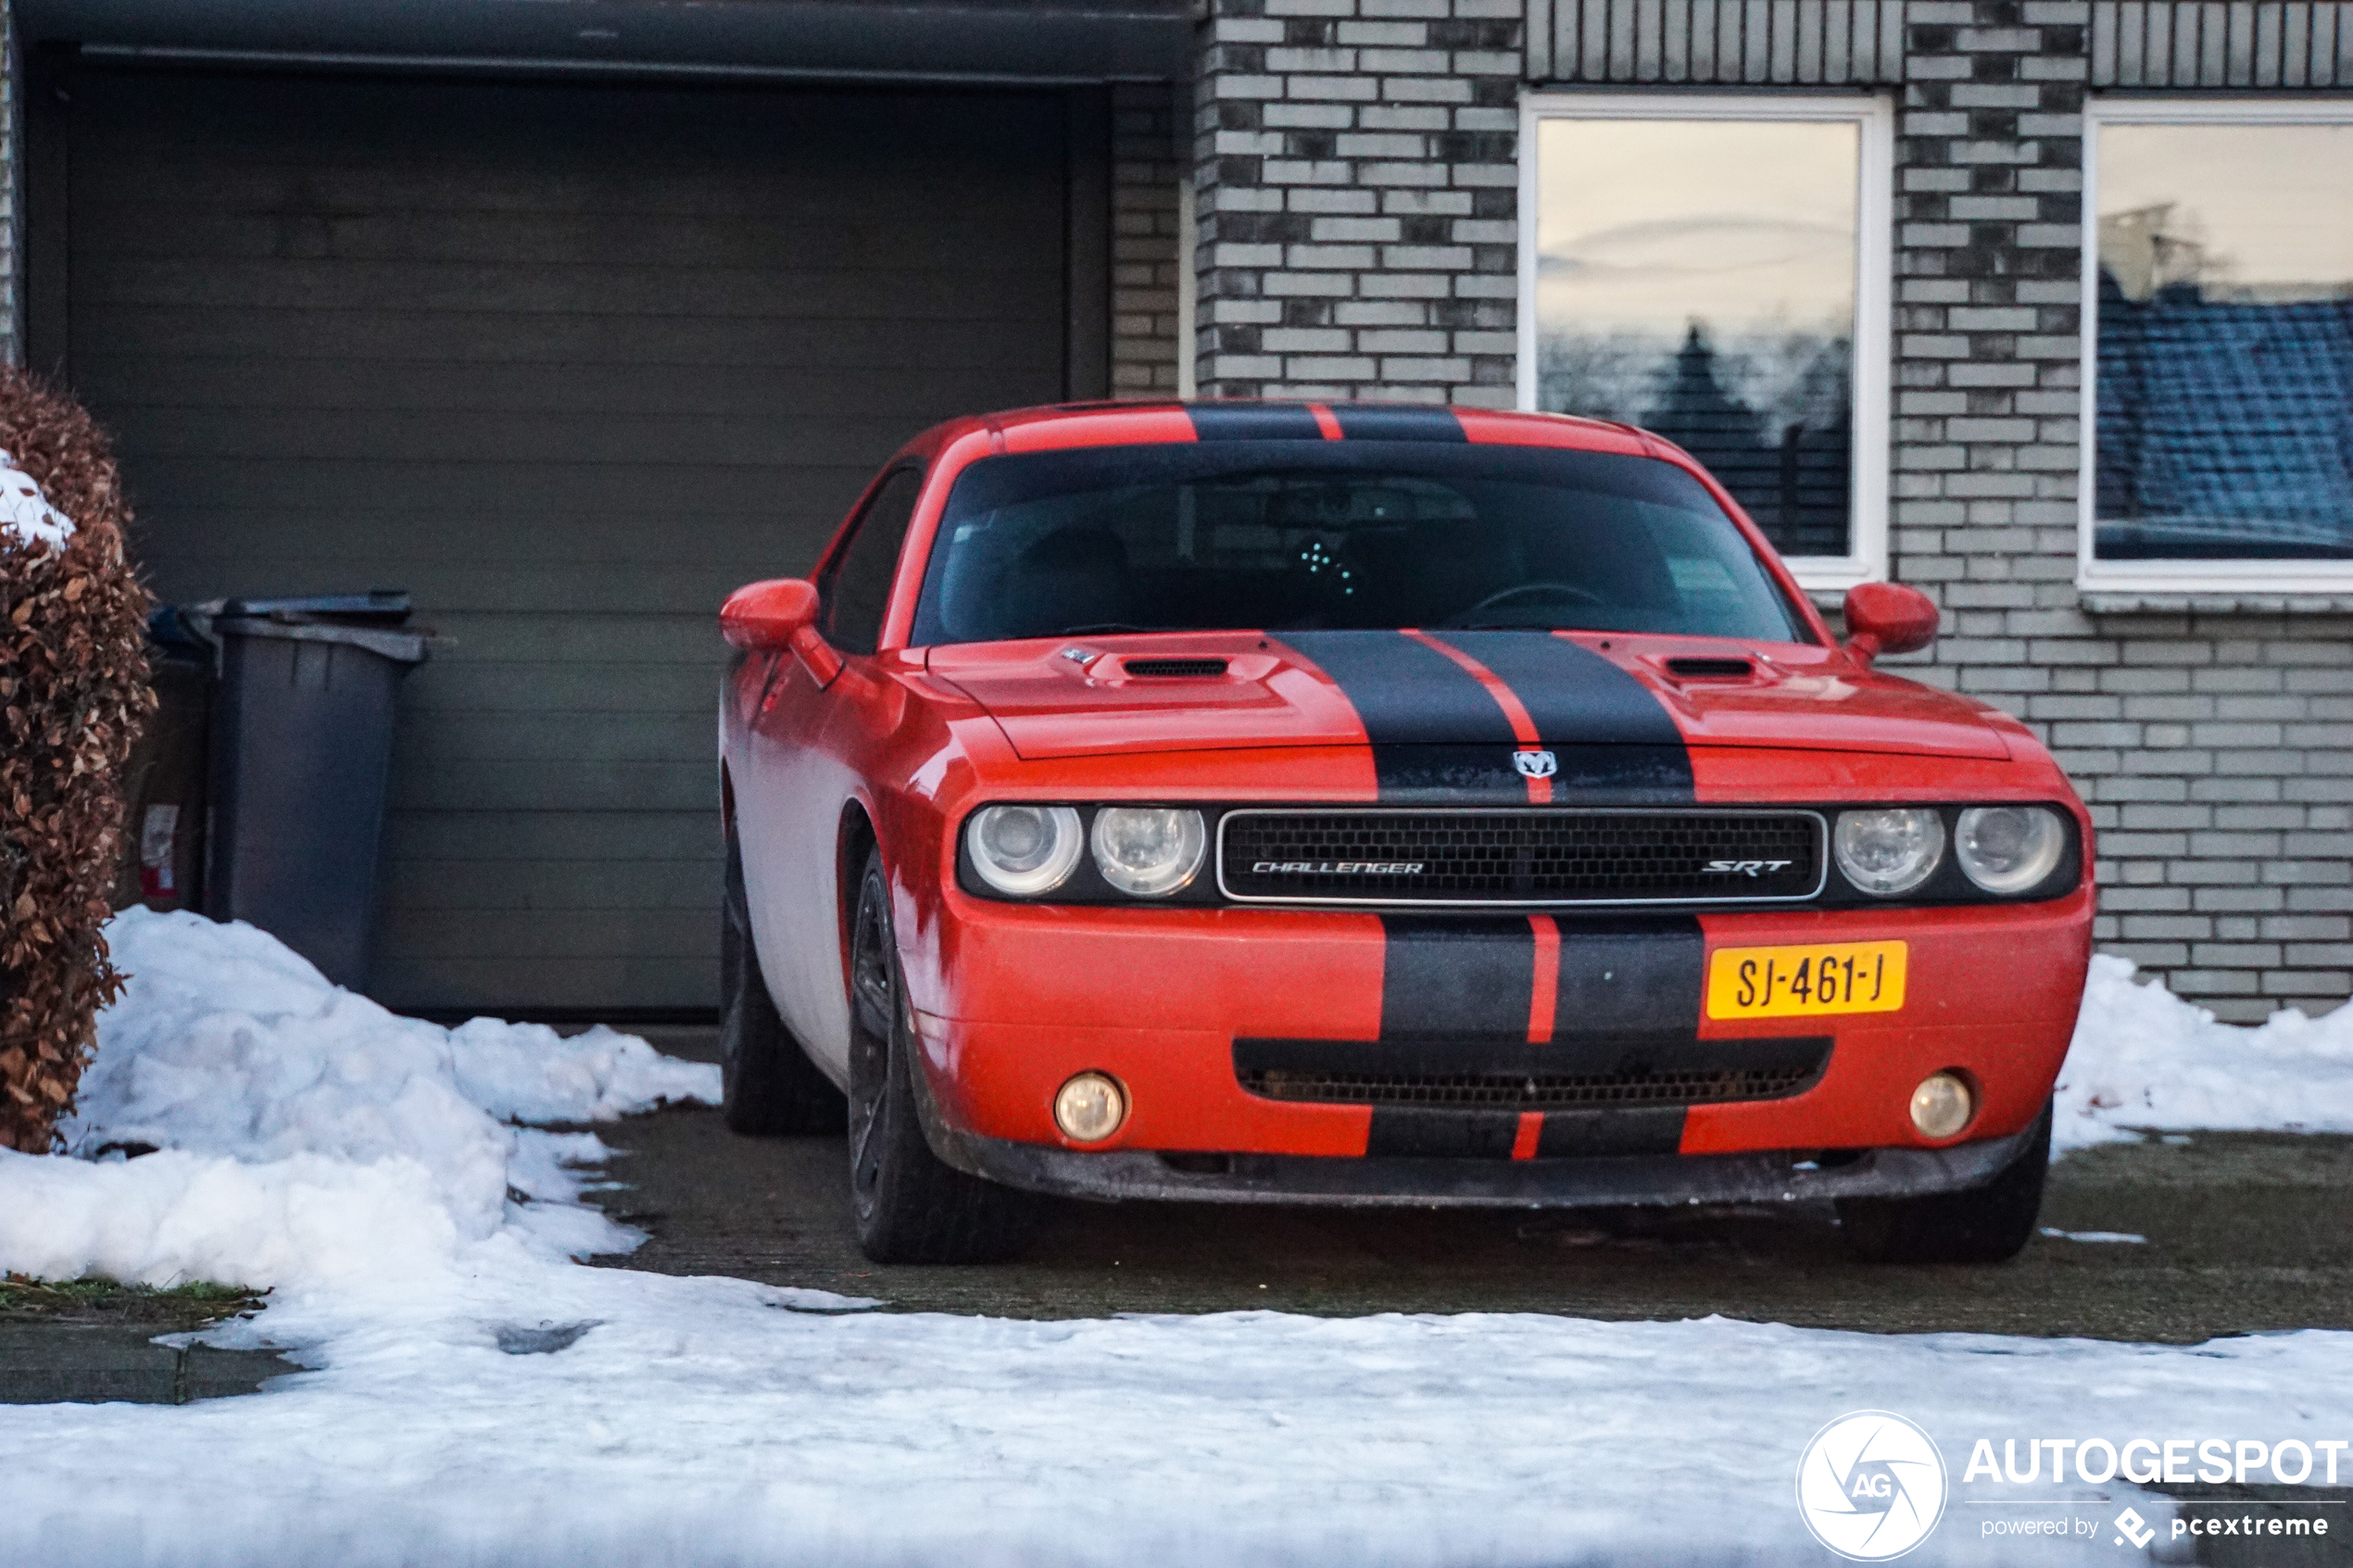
[1174, 669]
[1710, 669]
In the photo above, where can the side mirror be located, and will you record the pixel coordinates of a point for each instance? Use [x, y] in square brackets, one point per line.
[1888, 617]
[765, 617]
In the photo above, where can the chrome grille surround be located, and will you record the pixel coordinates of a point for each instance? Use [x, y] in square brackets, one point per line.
[1519, 857]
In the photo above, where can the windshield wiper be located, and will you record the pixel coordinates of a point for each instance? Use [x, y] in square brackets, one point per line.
[1097, 628]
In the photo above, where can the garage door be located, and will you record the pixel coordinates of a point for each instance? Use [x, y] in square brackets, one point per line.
[567, 363]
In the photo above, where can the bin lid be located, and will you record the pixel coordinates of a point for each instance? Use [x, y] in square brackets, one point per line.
[374, 620]
[377, 607]
[403, 648]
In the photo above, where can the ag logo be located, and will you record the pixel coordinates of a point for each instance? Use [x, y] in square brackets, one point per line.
[1534, 764]
[1871, 1486]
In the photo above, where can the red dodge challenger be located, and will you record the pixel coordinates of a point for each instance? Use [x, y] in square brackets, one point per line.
[1269, 802]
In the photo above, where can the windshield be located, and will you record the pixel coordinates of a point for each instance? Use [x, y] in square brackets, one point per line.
[1293, 535]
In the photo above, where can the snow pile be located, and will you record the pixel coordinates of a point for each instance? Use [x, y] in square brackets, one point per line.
[309, 1135]
[2143, 1058]
[173, 1217]
[25, 512]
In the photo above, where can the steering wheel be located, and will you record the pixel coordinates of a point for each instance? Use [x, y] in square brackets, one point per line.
[1569, 592]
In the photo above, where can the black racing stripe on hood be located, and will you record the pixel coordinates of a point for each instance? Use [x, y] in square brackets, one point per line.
[1620, 735]
[1253, 421]
[1436, 733]
[1397, 421]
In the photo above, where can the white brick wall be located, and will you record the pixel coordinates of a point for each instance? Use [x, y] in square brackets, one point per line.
[1356, 172]
[1149, 156]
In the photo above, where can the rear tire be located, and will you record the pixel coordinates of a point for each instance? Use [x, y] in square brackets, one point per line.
[768, 1085]
[1986, 1225]
[910, 1206]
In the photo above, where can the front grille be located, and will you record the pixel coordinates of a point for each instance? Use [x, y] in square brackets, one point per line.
[1536, 856]
[1524, 1092]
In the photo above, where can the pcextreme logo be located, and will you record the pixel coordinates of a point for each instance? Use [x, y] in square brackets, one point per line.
[1871, 1485]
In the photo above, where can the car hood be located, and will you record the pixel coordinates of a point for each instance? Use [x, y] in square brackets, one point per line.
[1170, 692]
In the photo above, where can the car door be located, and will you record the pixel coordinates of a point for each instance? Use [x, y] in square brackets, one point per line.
[796, 774]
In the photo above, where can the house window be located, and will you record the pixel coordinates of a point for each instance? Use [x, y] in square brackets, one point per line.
[1715, 269]
[2219, 346]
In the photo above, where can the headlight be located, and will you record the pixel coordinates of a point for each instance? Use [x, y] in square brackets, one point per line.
[1889, 851]
[2009, 849]
[1025, 850]
[1149, 850]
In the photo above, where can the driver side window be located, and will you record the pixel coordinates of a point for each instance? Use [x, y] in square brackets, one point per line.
[854, 590]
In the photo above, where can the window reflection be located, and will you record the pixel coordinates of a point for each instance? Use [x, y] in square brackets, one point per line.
[1697, 278]
[2224, 376]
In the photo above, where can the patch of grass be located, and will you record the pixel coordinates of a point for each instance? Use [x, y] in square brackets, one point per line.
[105, 1300]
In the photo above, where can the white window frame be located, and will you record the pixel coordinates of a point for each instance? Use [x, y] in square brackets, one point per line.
[1866, 559]
[2305, 576]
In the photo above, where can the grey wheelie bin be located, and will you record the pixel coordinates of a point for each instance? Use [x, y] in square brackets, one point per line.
[302, 729]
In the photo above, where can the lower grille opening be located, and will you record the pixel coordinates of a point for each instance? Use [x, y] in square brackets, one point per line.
[1530, 1092]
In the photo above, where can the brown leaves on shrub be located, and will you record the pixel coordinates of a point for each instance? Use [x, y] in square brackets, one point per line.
[73, 693]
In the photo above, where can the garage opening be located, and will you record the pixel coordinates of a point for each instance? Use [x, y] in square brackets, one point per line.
[567, 362]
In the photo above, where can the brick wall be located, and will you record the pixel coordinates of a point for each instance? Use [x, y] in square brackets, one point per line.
[1356, 170]
[2213, 738]
[1149, 156]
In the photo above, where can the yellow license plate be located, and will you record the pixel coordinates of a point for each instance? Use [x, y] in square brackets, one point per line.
[1805, 982]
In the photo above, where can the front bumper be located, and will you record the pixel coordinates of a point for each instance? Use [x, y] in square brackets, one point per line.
[1011, 1000]
[1377, 1182]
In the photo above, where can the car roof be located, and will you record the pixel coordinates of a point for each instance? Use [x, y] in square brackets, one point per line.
[1054, 426]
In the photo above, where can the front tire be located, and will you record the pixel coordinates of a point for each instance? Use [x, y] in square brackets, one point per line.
[767, 1084]
[910, 1206]
[1985, 1224]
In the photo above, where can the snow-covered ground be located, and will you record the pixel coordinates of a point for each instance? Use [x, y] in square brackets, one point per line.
[2145, 1059]
[361, 1166]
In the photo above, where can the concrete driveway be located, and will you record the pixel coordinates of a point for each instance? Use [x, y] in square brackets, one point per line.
[2244, 1233]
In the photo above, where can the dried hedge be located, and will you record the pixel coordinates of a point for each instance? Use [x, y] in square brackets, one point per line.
[73, 694]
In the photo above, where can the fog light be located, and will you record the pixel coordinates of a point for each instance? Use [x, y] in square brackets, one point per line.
[1941, 1105]
[1090, 1107]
